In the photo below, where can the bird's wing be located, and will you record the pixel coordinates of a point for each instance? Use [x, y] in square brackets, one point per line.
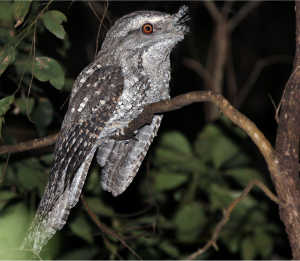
[122, 159]
[90, 108]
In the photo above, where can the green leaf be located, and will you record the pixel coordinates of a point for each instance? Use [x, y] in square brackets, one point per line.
[174, 140]
[93, 181]
[9, 178]
[241, 159]
[48, 159]
[22, 105]
[189, 221]
[5, 196]
[6, 15]
[53, 21]
[205, 141]
[7, 56]
[20, 10]
[167, 181]
[30, 179]
[248, 250]
[148, 241]
[219, 197]
[14, 221]
[223, 150]
[257, 218]
[264, 244]
[47, 69]
[9, 139]
[212, 144]
[43, 115]
[83, 253]
[82, 228]
[171, 159]
[232, 242]
[4, 106]
[244, 175]
[99, 207]
[13, 225]
[169, 249]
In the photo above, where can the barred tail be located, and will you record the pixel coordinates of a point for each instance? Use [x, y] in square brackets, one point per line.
[121, 160]
[54, 208]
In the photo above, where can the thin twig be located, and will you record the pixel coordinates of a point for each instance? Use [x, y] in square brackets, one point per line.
[5, 168]
[33, 144]
[135, 213]
[227, 6]
[152, 200]
[226, 216]
[99, 19]
[29, 250]
[94, 11]
[200, 70]
[213, 10]
[65, 101]
[103, 228]
[243, 12]
[108, 244]
[107, 16]
[71, 4]
[230, 74]
[33, 58]
[256, 71]
[99, 29]
[100, 10]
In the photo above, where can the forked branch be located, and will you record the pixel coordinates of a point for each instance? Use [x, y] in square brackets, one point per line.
[176, 103]
[226, 216]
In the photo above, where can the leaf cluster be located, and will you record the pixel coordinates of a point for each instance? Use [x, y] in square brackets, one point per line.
[187, 190]
[169, 211]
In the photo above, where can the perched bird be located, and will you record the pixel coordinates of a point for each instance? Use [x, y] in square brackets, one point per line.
[131, 70]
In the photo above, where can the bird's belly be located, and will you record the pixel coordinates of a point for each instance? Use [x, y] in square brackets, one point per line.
[129, 107]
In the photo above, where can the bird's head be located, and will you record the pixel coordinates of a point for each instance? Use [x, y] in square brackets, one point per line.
[146, 29]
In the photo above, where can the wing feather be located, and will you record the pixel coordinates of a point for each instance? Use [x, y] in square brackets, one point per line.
[117, 175]
[74, 150]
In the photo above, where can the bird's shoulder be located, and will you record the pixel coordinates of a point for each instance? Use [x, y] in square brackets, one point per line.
[94, 94]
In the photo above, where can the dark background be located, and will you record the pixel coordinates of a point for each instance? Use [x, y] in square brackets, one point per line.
[268, 30]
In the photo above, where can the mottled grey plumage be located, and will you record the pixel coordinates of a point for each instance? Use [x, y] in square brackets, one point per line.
[131, 71]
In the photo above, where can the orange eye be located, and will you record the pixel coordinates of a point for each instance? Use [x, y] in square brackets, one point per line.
[147, 28]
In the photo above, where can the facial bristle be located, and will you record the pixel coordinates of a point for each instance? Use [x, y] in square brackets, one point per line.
[182, 15]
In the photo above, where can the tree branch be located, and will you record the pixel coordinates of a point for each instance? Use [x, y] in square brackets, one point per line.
[213, 10]
[164, 106]
[226, 217]
[287, 182]
[103, 228]
[258, 67]
[29, 145]
[200, 70]
[243, 12]
[182, 100]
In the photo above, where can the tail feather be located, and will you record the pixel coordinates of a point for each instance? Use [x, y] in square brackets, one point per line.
[53, 217]
[122, 159]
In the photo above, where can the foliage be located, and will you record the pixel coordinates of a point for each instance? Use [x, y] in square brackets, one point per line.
[186, 189]
[182, 177]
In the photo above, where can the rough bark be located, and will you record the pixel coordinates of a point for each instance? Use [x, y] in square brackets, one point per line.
[287, 182]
